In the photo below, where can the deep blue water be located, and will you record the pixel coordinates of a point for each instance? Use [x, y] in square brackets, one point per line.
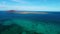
[51, 17]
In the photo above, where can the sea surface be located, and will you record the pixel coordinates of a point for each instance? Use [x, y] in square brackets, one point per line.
[14, 23]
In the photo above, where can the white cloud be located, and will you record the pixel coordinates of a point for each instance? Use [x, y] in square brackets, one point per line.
[45, 0]
[53, 9]
[20, 1]
[2, 6]
[16, 0]
[3, 3]
[29, 8]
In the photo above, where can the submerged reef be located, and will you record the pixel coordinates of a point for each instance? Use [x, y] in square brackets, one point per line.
[25, 26]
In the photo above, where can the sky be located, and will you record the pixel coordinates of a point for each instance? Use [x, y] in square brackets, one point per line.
[30, 5]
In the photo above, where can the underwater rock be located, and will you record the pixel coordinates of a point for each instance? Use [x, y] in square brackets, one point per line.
[58, 32]
[23, 32]
[3, 28]
[38, 33]
[4, 20]
[13, 30]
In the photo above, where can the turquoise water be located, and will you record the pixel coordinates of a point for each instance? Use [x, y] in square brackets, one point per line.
[12, 23]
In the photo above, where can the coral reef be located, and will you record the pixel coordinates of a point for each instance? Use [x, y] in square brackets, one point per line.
[24, 26]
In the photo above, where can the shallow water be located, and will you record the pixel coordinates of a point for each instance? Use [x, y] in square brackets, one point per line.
[12, 23]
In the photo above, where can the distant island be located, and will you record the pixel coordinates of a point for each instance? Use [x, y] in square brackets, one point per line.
[31, 12]
[27, 12]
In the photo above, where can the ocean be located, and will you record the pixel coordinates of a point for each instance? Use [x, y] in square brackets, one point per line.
[14, 23]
